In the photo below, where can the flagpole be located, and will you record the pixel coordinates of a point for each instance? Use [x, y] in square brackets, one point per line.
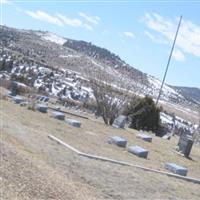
[169, 59]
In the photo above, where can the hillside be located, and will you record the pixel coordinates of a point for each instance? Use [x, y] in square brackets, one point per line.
[191, 94]
[27, 50]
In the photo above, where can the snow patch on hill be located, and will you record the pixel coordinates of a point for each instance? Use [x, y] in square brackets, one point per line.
[53, 38]
[167, 92]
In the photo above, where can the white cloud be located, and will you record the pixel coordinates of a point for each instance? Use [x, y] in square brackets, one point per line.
[69, 21]
[4, 2]
[188, 40]
[128, 34]
[43, 16]
[88, 27]
[90, 19]
[106, 32]
[58, 19]
[178, 55]
[155, 38]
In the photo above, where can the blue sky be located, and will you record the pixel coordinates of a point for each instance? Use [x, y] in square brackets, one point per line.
[140, 32]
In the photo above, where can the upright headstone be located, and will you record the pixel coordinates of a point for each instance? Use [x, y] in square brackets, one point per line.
[14, 87]
[120, 121]
[185, 144]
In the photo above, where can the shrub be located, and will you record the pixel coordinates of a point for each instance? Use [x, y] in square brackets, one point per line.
[143, 114]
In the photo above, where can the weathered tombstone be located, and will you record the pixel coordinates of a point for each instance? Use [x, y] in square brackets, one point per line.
[167, 136]
[185, 144]
[138, 151]
[23, 104]
[14, 87]
[120, 121]
[41, 98]
[145, 137]
[58, 115]
[176, 169]
[41, 108]
[119, 141]
[44, 98]
[18, 99]
[73, 122]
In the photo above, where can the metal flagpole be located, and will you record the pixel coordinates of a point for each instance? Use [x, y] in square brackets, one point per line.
[168, 61]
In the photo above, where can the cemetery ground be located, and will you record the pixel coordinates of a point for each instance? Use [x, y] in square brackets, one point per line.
[35, 167]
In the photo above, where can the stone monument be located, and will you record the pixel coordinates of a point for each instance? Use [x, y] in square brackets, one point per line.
[120, 121]
[185, 144]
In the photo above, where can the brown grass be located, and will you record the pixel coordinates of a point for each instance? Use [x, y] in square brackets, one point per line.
[25, 133]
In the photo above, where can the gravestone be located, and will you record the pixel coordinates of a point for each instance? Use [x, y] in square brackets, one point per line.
[73, 122]
[145, 137]
[119, 141]
[176, 169]
[44, 98]
[120, 121]
[167, 136]
[58, 115]
[14, 88]
[41, 108]
[18, 99]
[185, 144]
[138, 151]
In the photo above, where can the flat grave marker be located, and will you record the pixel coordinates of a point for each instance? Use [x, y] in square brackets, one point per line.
[18, 99]
[58, 115]
[73, 122]
[138, 151]
[41, 108]
[177, 169]
[119, 141]
[144, 137]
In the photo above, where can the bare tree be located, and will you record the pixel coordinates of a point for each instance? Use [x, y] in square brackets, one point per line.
[196, 135]
[111, 90]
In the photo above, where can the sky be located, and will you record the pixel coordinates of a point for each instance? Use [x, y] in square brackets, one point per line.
[140, 32]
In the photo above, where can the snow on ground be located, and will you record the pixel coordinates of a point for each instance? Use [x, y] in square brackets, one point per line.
[70, 56]
[178, 121]
[53, 38]
[167, 91]
[166, 118]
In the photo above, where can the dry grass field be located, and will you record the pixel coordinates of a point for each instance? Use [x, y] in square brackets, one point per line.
[35, 167]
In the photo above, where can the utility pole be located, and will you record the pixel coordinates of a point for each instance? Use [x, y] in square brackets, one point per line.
[169, 59]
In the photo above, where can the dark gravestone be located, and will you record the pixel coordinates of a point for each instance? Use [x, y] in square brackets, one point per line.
[58, 115]
[18, 99]
[14, 88]
[73, 122]
[41, 108]
[138, 151]
[121, 142]
[145, 137]
[120, 121]
[177, 169]
[185, 144]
